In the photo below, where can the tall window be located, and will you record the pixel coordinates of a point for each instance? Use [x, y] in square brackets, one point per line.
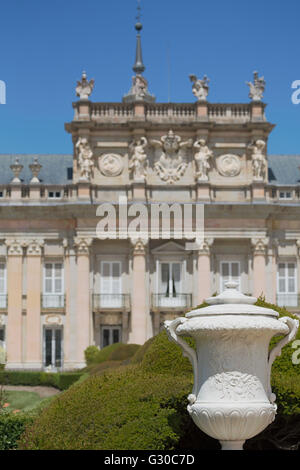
[171, 284]
[53, 347]
[230, 271]
[110, 335]
[111, 284]
[2, 285]
[53, 285]
[287, 284]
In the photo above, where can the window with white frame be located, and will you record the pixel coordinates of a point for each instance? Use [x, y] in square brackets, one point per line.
[53, 295]
[287, 284]
[111, 284]
[171, 284]
[3, 291]
[230, 271]
[285, 195]
[52, 347]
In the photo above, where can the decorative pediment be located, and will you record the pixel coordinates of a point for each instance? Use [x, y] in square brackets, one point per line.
[169, 247]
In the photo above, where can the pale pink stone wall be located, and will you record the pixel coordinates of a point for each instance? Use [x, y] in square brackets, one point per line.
[259, 275]
[204, 282]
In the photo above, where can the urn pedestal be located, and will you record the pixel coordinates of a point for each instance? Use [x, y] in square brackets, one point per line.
[232, 398]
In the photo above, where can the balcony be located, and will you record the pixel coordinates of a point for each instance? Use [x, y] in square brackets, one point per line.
[288, 300]
[52, 301]
[111, 302]
[178, 301]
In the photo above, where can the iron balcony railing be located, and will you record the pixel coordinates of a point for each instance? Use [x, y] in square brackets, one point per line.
[107, 301]
[174, 301]
[53, 301]
[288, 300]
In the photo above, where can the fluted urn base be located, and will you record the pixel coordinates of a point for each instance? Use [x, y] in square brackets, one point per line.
[232, 423]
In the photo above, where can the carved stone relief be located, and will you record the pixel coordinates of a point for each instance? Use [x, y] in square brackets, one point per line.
[111, 164]
[229, 165]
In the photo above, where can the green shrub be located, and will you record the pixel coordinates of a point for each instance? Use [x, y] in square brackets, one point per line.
[60, 380]
[11, 428]
[90, 354]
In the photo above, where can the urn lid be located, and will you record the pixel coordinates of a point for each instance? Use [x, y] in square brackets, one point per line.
[233, 302]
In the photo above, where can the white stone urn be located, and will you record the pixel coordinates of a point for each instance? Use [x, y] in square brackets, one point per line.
[232, 398]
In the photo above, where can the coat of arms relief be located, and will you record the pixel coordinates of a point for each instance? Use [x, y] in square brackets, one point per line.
[171, 150]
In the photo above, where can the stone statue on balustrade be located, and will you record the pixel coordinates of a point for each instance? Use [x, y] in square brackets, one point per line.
[259, 162]
[84, 87]
[257, 88]
[85, 158]
[200, 87]
[138, 161]
[171, 165]
[202, 155]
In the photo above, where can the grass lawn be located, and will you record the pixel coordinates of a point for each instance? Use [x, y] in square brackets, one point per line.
[23, 401]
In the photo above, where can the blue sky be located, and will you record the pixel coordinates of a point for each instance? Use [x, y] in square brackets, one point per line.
[45, 45]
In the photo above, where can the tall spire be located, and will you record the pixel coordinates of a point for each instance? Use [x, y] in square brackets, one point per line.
[139, 89]
[138, 67]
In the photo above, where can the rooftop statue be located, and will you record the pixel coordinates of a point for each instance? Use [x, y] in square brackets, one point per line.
[200, 87]
[84, 87]
[257, 87]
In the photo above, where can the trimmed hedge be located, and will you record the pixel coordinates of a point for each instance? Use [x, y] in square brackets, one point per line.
[60, 380]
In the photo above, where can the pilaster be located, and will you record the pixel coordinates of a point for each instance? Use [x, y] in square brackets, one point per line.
[14, 335]
[33, 316]
[83, 314]
[138, 333]
[259, 265]
[204, 277]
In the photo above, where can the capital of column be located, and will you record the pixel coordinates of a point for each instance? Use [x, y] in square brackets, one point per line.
[205, 246]
[82, 245]
[15, 246]
[139, 246]
[34, 247]
[259, 245]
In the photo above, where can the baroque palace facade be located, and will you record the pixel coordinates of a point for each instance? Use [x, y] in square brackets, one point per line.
[62, 288]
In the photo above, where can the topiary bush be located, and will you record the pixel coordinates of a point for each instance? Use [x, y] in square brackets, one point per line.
[90, 354]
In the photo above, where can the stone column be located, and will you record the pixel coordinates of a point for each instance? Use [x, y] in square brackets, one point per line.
[83, 315]
[14, 310]
[138, 333]
[259, 266]
[33, 356]
[204, 278]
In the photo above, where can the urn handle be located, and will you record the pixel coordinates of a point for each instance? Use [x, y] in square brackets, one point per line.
[293, 326]
[187, 351]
